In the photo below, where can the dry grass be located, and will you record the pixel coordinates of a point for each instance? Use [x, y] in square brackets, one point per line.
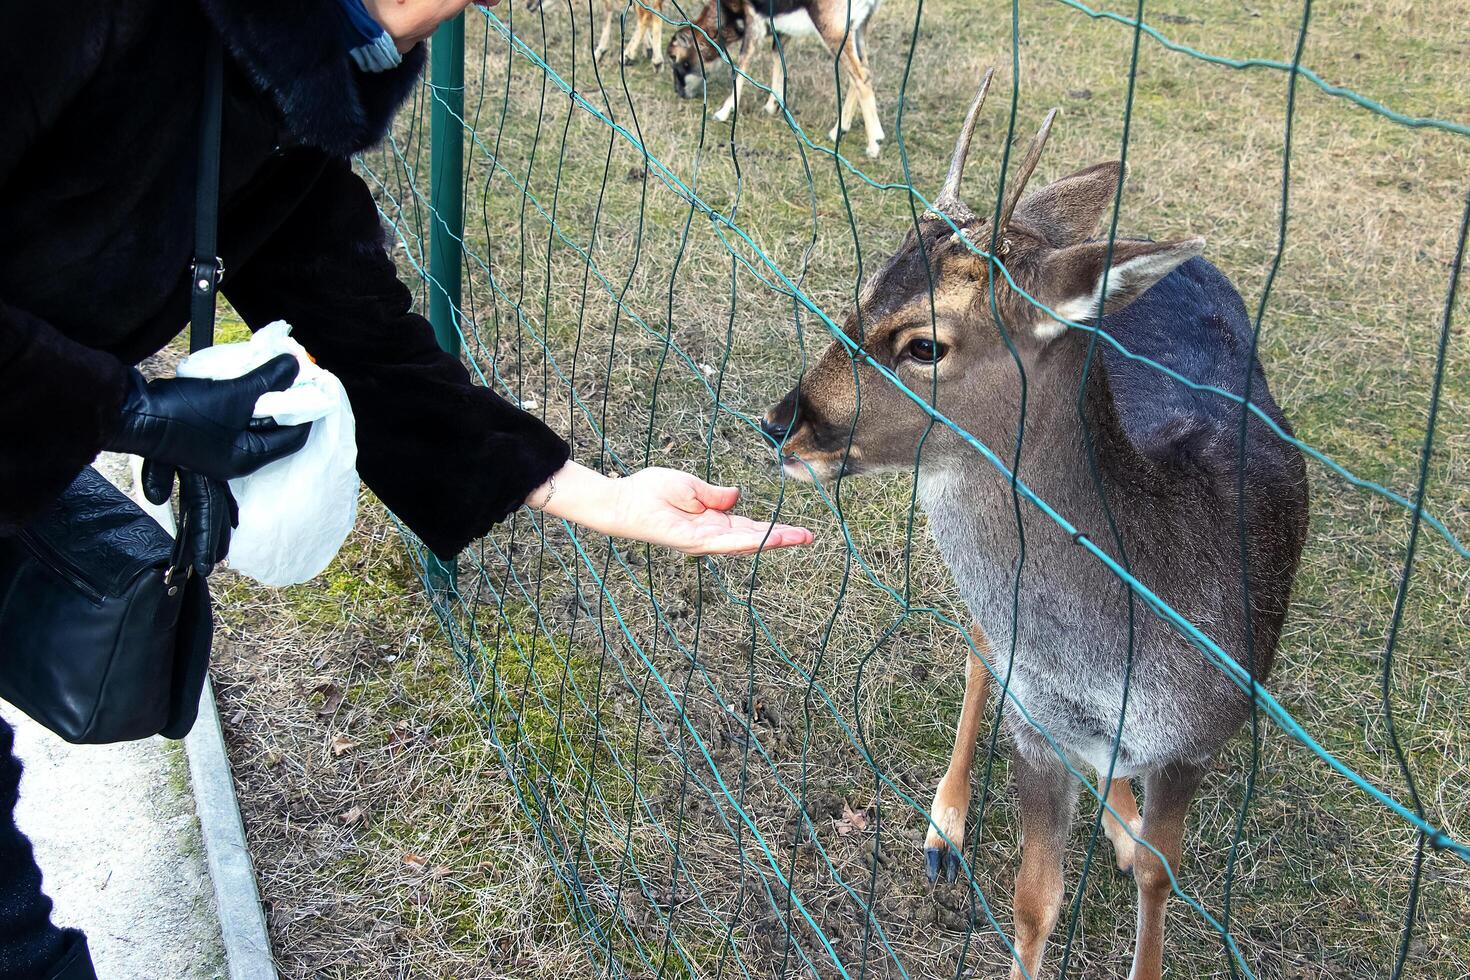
[572, 709]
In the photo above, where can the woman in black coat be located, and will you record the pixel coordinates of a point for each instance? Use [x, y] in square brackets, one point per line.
[100, 108]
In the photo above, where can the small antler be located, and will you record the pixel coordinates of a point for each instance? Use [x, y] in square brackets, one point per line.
[949, 195]
[1028, 164]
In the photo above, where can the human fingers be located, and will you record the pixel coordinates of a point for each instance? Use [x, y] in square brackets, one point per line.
[713, 497]
[158, 481]
[257, 447]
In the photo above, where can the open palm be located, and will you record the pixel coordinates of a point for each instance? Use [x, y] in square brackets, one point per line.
[683, 512]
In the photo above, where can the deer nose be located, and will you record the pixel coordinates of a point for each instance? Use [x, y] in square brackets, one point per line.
[781, 419]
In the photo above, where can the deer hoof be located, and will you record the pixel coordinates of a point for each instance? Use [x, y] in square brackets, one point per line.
[597, 53]
[874, 148]
[942, 857]
[771, 107]
[834, 132]
[942, 850]
[721, 115]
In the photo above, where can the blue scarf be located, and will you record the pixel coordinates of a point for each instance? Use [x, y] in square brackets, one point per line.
[371, 48]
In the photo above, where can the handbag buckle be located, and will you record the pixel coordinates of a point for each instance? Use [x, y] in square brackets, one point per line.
[202, 273]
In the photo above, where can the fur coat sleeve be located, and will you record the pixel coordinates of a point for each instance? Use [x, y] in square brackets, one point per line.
[37, 360]
[448, 456]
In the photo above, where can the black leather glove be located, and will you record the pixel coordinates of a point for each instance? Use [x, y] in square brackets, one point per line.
[207, 511]
[205, 427]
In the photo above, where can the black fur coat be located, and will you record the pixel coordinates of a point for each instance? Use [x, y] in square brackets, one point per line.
[99, 120]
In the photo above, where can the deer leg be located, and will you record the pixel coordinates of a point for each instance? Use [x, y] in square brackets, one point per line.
[754, 30]
[952, 797]
[862, 82]
[777, 97]
[602, 40]
[1167, 795]
[1120, 798]
[656, 35]
[833, 30]
[871, 122]
[832, 25]
[844, 116]
[635, 43]
[1048, 795]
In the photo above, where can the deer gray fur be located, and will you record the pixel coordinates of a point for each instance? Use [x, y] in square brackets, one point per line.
[1167, 461]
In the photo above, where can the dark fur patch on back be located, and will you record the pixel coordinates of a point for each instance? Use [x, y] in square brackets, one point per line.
[1195, 323]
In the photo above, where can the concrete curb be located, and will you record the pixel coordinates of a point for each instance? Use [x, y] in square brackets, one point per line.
[241, 918]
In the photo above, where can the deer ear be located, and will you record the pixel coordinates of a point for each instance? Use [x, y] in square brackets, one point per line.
[1072, 278]
[1067, 211]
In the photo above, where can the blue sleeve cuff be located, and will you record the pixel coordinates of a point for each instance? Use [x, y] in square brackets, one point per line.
[379, 54]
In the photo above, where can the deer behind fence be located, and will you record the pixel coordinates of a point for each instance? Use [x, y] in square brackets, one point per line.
[1150, 470]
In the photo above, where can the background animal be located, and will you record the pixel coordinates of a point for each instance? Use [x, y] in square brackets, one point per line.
[648, 29]
[1109, 445]
[841, 25]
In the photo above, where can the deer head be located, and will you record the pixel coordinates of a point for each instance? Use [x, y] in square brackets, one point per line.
[926, 316]
[691, 53]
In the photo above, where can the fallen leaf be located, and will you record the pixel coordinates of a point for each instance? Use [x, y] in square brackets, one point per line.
[341, 745]
[414, 861]
[352, 816]
[400, 738]
[852, 821]
[331, 699]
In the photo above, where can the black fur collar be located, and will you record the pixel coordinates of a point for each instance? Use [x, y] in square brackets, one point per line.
[294, 50]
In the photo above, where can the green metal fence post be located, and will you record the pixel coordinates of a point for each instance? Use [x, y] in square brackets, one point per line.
[446, 199]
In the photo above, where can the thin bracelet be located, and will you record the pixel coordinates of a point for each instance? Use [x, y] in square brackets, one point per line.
[549, 494]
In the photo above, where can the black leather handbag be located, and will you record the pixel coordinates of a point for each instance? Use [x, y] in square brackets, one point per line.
[105, 631]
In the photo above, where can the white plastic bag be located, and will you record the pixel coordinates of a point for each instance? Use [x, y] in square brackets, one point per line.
[296, 512]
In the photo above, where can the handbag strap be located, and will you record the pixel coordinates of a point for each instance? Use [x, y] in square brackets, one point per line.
[208, 268]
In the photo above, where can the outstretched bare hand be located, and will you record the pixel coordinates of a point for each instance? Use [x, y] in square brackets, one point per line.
[664, 507]
[683, 512]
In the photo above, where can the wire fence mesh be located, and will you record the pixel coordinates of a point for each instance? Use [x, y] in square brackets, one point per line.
[729, 763]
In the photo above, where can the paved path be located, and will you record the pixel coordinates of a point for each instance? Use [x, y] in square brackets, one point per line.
[117, 840]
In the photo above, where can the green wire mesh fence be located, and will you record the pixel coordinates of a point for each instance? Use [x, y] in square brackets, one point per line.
[729, 762]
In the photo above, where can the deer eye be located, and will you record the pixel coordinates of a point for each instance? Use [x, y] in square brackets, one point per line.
[925, 350]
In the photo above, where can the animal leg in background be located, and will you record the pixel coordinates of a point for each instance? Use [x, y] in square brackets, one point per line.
[649, 29]
[844, 115]
[603, 39]
[640, 27]
[656, 34]
[831, 24]
[755, 30]
[777, 98]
